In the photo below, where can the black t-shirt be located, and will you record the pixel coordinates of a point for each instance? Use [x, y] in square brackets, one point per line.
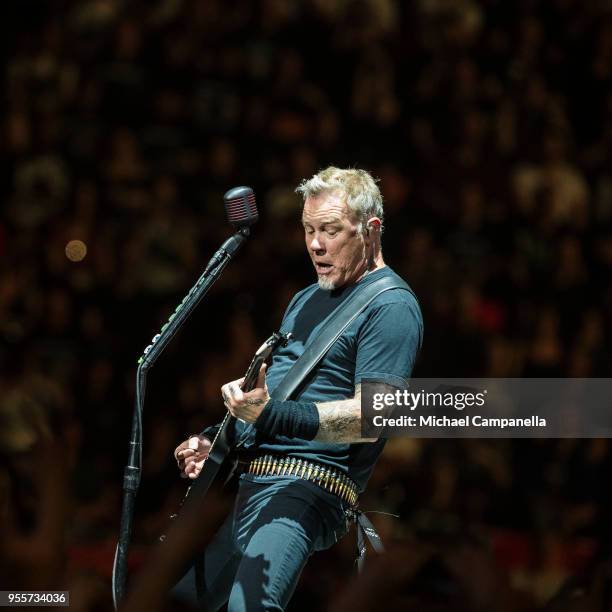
[381, 344]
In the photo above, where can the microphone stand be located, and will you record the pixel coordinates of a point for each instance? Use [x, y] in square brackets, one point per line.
[131, 475]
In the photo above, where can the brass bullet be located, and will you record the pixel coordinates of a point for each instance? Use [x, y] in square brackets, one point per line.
[336, 486]
[315, 475]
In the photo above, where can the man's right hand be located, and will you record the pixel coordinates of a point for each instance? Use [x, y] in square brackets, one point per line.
[191, 454]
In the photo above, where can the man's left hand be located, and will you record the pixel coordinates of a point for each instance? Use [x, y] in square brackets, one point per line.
[246, 406]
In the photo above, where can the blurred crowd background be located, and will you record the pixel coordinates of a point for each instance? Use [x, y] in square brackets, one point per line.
[489, 124]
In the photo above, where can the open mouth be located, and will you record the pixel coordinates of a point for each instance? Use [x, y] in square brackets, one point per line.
[322, 268]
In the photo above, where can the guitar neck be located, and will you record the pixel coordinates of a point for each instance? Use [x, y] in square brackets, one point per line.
[252, 373]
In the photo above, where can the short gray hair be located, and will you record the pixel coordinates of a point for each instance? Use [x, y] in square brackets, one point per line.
[363, 197]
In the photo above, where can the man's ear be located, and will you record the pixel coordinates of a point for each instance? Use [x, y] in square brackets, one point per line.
[373, 223]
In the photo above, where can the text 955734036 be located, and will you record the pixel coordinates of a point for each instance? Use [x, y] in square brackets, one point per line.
[34, 598]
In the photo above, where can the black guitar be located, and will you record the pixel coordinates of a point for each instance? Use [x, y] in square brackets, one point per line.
[223, 442]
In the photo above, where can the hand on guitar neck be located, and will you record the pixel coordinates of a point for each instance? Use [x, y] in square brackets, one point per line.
[246, 405]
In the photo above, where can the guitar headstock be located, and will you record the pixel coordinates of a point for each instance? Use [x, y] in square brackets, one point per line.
[263, 352]
[272, 343]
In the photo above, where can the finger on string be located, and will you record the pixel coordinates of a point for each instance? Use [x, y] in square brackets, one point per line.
[236, 391]
[261, 377]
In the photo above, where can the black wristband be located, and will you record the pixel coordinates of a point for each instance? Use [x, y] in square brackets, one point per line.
[290, 419]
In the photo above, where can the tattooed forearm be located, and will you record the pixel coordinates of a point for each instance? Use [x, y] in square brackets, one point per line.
[340, 421]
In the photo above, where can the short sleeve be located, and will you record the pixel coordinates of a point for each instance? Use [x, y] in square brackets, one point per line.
[388, 343]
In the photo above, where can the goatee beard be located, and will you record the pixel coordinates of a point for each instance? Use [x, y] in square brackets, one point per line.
[326, 283]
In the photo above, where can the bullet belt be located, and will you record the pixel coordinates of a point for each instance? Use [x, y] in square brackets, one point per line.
[327, 478]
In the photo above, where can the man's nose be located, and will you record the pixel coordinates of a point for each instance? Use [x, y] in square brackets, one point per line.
[315, 244]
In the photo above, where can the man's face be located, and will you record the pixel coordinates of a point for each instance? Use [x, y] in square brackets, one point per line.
[337, 249]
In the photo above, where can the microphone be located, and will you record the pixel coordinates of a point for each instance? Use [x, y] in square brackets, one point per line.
[241, 211]
[240, 207]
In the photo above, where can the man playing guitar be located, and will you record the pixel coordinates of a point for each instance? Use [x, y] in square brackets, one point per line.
[307, 459]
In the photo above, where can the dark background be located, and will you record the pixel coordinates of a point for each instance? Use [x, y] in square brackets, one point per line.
[489, 124]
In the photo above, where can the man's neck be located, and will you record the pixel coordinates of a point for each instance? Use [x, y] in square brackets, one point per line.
[375, 264]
